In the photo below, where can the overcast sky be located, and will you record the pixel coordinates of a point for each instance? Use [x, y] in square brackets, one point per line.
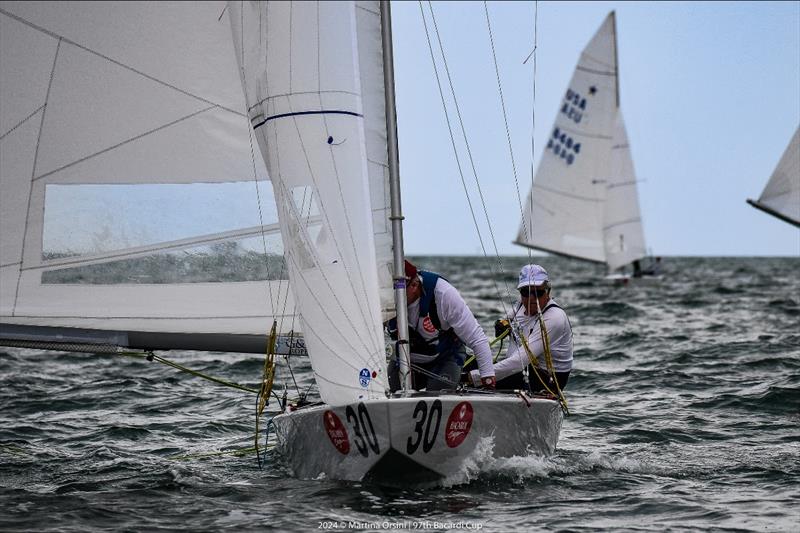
[710, 92]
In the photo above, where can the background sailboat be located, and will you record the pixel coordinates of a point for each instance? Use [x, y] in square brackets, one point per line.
[583, 201]
[781, 196]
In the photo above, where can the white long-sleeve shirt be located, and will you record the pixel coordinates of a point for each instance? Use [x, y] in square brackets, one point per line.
[559, 332]
[454, 313]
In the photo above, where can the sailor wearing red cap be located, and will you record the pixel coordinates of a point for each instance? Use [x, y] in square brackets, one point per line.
[440, 326]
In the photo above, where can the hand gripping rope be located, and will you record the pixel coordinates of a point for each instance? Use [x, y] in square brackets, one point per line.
[548, 358]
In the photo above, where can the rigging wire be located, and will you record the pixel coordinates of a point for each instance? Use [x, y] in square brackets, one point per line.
[455, 150]
[533, 125]
[503, 107]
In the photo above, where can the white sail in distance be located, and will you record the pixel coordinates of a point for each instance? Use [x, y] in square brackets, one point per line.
[781, 196]
[583, 201]
[622, 229]
[306, 101]
[132, 200]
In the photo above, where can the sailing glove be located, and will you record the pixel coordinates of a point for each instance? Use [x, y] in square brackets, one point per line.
[500, 327]
[489, 382]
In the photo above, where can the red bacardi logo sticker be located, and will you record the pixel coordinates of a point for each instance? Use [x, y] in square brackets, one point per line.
[336, 432]
[428, 326]
[458, 424]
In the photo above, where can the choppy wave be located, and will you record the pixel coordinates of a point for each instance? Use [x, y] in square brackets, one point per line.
[685, 405]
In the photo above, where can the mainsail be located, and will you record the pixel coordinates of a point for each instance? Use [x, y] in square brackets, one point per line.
[134, 207]
[781, 195]
[309, 71]
[583, 202]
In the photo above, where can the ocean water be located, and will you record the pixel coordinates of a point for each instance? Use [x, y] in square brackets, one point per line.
[685, 415]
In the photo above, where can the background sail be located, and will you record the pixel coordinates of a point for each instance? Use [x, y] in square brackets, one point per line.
[128, 194]
[300, 69]
[564, 212]
[781, 195]
[622, 229]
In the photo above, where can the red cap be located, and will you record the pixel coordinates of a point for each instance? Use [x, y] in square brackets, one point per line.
[411, 270]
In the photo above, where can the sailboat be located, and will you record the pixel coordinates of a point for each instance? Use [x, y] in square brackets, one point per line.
[151, 150]
[584, 200]
[781, 196]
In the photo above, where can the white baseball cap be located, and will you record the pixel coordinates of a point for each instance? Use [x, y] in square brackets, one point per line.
[532, 275]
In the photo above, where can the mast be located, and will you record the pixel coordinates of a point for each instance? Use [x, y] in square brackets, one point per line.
[396, 216]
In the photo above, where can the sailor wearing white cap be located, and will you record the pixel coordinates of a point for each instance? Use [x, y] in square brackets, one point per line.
[534, 290]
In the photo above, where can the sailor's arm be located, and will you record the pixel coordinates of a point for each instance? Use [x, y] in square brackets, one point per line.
[454, 311]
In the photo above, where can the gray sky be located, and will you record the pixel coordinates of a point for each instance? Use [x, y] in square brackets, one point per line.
[710, 92]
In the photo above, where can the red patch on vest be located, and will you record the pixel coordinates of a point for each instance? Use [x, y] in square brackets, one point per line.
[427, 325]
[336, 432]
[458, 424]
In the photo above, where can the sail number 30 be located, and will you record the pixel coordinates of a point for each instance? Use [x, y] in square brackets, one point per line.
[362, 427]
[425, 419]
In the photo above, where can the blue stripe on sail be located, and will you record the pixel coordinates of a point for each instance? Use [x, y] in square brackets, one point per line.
[320, 112]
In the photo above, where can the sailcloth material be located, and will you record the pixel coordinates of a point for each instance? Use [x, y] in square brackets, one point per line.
[622, 227]
[583, 202]
[128, 198]
[781, 195]
[301, 72]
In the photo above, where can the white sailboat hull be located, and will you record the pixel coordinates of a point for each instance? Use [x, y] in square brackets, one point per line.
[421, 439]
[628, 279]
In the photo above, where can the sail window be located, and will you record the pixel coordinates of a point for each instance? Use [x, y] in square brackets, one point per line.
[227, 261]
[160, 233]
[90, 219]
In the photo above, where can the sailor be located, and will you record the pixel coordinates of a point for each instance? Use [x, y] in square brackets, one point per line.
[534, 290]
[439, 326]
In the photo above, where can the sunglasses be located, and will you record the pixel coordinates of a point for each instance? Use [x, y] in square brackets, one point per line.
[530, 291]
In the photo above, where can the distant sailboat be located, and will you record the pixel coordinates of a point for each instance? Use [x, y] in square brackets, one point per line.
[781, 196]
[584, 201]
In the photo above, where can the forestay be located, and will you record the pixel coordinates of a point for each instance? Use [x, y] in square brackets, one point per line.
[128, 199]
[781, 195]
[304, 83]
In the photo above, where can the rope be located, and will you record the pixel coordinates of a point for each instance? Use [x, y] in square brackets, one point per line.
[150, 356]
[267, 379]
[548, 360]
[491, 343]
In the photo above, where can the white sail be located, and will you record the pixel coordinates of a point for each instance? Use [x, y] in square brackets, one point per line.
[781, 195]
[584, 202]
[564, 212]
[301, 73]
[622, 224]
[127, 167]
[370, 63]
